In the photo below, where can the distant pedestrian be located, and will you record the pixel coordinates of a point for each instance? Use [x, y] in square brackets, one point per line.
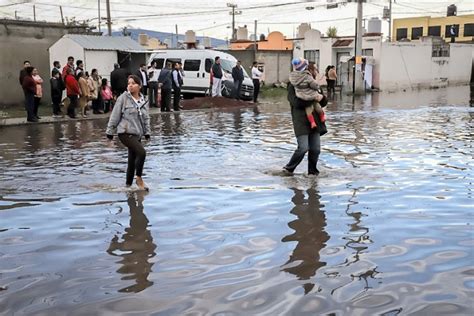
[131, 121]
[452, 33]
[143, 75]
[57, 66]
[85, 92]
[238, 76]
[153, 74]
[57, 87]
[23, 72]
[177, 84]
[118, 80]
[29, 88]
[94, 82]
[79, 67]
[331, 80]
[69, 65]
[106, 95]
[165, 83]
[73, 92]
[256, 79]
[39, 91]
[217, 78]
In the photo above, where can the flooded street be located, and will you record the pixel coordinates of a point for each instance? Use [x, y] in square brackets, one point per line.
[385, 229]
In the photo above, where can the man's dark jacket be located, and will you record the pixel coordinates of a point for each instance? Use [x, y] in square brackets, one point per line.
[119, 80]
[237, 74]
[217, 71]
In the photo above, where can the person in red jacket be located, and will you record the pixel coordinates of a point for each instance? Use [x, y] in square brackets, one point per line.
[29, 88]
[73, 92]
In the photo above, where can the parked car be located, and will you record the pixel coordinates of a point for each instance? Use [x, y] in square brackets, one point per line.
[197, 65]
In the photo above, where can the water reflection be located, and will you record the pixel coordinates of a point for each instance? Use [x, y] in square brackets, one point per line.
[309, 235]
[136, 247]
[358, 236]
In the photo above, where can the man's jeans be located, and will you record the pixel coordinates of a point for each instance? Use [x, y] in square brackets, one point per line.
[311, 143]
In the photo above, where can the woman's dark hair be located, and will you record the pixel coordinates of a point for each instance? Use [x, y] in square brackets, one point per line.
[136, 79]
[104, 82]
[93, 71]
[29, 70]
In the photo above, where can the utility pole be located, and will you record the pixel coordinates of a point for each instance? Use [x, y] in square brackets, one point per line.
[34, 13]
[177, 36]
[255, 41]
[98, 11]
[359, 79]
[62, 16]
[109, 21]
[233, 13]
[390, 21]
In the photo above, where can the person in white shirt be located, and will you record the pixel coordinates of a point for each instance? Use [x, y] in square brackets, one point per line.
[153, 74]
[177, 84]
[143, 75]
[256, 78]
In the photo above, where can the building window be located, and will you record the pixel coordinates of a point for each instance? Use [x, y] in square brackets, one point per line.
[440, 50]
[447, 32]
[469, 29]
[401, 34]
[192, 64]
[434, 30]
[416, 32]
[312, 56]
[173, 61]
[208, 65]
[159, 62]
[368, 52]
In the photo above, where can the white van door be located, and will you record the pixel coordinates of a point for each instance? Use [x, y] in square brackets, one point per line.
[193, 68]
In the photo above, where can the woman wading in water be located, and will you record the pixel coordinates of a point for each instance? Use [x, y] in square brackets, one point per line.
[130, 119]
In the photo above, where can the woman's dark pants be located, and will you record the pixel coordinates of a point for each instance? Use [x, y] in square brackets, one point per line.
[306, 143]
[136, 156]
[37, 102]
[30, 106]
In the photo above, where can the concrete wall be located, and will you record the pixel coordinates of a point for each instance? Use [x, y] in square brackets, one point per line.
[461, 58]
[277, 64]
[24, 40]
[410, 65]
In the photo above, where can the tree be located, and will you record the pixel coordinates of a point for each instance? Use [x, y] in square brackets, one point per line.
[331, 32]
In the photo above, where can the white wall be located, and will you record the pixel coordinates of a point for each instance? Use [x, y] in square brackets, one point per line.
[460, 65]
[411, 65]
[62, 49]
[102, 60]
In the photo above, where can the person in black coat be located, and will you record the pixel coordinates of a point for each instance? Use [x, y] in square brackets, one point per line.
[57, 87]
[308, 138]
[119, 80]
[165, 81]
[238, 76]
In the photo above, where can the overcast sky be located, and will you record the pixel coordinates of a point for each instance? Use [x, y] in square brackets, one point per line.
[211, 17]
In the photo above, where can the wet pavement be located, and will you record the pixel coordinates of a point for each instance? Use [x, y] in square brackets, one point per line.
[385, 229]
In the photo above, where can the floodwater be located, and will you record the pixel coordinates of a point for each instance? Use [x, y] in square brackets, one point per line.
[386, 229]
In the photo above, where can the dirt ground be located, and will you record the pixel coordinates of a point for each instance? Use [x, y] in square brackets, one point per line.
[209, 102]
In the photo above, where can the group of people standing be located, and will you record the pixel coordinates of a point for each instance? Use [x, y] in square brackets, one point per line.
[160, 85]
[80, 89]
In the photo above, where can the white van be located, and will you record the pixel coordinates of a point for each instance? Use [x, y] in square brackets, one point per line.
[197, 65]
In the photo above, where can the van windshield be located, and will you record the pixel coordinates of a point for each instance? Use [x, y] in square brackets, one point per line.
[227, 66]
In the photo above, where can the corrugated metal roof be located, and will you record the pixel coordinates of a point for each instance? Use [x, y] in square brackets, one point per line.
[93, 42]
